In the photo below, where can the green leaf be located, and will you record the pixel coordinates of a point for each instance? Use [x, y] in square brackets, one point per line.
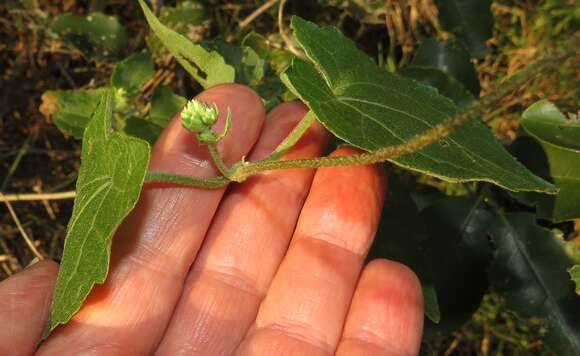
[207, 67]
[575, 275]
[402, 237]
[71, 109]
[530, 270]
[558, 159]
[545, 122]
[249, 67]
[96, 36]
[165, 104]
[113, 167]
[451, 58]
[132, 72]
[459, 254]
[184, 13]
[186, 18]
[371, 108]
[445, 84]
[143, 129]
[444, 244]
[470, 20]
[258, 43]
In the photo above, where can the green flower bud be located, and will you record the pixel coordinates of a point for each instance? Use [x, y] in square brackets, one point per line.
[120, 100]
[198, 116]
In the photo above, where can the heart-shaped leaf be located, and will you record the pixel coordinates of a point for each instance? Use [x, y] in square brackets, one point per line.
[113, 167]
[371, 108]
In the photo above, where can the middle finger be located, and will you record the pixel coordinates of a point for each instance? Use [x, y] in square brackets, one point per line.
[244, 246]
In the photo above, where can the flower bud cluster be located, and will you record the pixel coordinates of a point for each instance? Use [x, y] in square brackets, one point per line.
[198, 116]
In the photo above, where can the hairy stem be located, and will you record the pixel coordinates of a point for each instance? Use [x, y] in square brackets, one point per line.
[220, 164]
[209, 183]
[545, 63]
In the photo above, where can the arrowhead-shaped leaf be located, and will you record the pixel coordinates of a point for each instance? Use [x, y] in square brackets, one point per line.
[113, 167]
[531, 271]
[371, 108]
[207, 67]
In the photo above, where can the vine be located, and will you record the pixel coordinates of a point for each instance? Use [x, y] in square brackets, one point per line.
[240, 171]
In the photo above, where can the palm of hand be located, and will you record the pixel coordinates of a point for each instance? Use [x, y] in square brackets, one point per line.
[270, 267]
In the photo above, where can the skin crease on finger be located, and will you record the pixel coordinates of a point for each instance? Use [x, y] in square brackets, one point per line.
[248, 239]
[24, 304]
[386, 312]
[156, 245]
[308, 299]
[126, 315]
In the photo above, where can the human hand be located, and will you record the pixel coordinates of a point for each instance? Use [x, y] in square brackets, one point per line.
[271, 266]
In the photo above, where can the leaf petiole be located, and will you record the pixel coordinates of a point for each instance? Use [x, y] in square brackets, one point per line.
[219, 162]
[293, 136]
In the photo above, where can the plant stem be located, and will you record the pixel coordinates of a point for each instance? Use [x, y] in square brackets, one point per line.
[220, 164]
[546, 63]
[209, 183]
[25, 236]
[259, 11]
[289, 44]
[293, 137]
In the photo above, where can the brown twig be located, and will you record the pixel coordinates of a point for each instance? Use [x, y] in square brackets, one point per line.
[254, 15]
[37, 196]
[21, 229]
[287, 40]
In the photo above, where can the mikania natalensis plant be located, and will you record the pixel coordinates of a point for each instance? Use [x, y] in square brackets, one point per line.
[85, 246]
[199, 117]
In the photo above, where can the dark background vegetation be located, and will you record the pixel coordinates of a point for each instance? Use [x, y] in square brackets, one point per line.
[35, 157]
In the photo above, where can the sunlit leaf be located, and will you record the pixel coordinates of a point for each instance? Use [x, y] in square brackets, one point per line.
[249, 67]
[113, 167]
[371, 108]
[207, 67]
[71, 109]
[187, 18]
